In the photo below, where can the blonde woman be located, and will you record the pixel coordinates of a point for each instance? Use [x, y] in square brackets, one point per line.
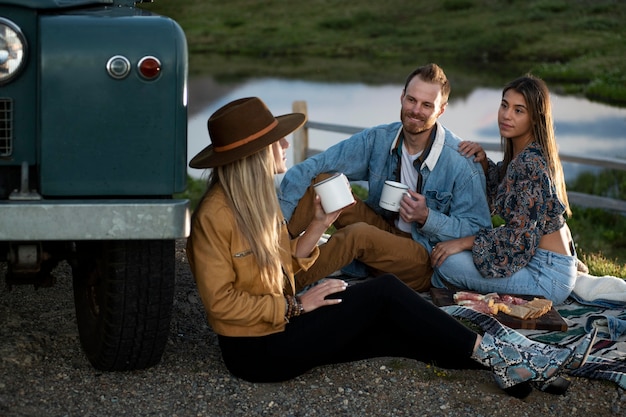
[532, 253]
[244, 261]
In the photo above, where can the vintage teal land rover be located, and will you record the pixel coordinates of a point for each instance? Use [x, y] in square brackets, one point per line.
[93, 143]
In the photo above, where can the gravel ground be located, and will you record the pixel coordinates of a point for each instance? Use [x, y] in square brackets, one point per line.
[43, 372]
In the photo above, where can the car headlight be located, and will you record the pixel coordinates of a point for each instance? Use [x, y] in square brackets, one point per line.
[12, 50]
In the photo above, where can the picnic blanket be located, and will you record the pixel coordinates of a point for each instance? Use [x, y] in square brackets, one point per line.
[604, 291]
[596, 302]
[607, 359]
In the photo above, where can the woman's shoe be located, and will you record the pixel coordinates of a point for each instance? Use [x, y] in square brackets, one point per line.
[579, 357]
[581, 351]
[521, 390]
[514, 364]
[557, 387]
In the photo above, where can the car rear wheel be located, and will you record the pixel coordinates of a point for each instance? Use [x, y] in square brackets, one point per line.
[123, 294]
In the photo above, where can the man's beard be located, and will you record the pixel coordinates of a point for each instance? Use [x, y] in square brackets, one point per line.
[409, 124]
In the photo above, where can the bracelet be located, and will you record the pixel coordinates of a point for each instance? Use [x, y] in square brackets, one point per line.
[293, 307]
[299, 305]
[289, 308]
[289, 313]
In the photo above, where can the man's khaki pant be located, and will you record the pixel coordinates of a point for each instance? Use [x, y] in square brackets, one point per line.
[363, 235]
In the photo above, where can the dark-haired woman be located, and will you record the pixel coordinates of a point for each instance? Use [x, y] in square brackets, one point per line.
[532, 253]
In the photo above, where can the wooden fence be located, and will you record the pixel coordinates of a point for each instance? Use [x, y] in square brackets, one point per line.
[301, 151]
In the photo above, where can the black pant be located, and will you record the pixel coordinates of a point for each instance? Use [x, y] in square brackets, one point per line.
[381, 317]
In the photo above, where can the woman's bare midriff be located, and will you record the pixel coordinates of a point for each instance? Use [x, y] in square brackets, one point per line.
[557, 241]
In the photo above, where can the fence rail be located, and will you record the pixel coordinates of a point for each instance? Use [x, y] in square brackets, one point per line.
[302, 151]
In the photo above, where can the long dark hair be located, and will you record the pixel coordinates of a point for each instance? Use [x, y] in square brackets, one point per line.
[537, 97]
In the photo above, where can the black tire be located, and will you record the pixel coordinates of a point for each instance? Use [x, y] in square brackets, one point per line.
[123, 294]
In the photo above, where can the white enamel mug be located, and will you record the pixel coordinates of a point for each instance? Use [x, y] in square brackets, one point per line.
[334, 192]
[392, 195]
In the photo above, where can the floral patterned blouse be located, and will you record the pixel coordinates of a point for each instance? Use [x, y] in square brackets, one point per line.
[526, 199]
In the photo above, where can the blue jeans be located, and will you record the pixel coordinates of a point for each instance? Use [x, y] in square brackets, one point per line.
[548, 274]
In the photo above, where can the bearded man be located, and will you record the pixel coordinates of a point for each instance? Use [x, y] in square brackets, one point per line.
[446, 197]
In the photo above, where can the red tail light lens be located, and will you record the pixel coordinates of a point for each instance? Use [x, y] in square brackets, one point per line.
[149, 67]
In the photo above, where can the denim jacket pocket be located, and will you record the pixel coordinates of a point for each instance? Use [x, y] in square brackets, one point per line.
[439, 201]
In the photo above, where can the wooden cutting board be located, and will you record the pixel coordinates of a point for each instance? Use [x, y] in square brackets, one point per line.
[552, 320]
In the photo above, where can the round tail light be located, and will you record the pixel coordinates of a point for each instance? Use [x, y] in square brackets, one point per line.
[149, 67]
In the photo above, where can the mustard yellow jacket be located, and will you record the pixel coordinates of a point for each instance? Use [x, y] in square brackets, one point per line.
[228, 278]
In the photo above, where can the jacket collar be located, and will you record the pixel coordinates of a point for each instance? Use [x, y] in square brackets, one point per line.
[395, 144]
[437, 147]
[435, 150]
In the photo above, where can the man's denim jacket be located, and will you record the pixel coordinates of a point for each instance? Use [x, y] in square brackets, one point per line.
[454, 186]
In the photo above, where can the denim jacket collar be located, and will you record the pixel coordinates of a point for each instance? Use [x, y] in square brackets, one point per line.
[395, 145]
[435, 151]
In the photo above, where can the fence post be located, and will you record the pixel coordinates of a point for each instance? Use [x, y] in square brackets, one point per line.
[300, 136]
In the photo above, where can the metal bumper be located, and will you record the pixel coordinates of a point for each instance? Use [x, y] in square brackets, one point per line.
[93, 220]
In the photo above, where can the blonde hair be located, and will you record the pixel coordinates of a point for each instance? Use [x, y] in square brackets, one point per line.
[250, 190]
[537, 96]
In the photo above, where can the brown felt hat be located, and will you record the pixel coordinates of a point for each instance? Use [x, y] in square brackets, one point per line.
[241, 128]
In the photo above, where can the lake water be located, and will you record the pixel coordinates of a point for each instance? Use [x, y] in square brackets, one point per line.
[583, 128]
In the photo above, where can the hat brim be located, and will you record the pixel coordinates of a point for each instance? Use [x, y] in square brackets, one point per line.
[208, 158]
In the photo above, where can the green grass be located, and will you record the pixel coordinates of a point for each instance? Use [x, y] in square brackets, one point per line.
[608, 183]
[600, 235]
[193, 192]
[577, 46]
[600, 266]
